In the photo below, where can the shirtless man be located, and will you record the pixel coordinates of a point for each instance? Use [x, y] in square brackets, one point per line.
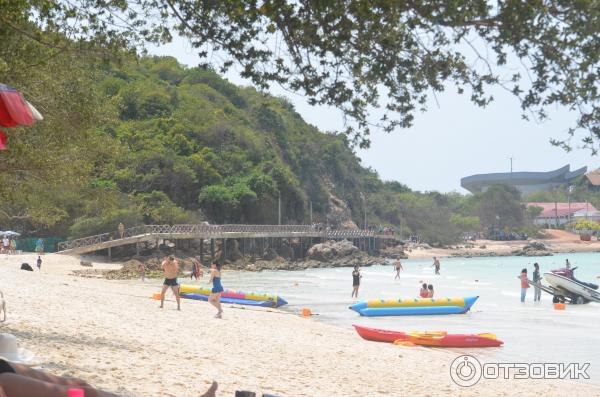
[171, 269]
[436, 264]
[398, 267]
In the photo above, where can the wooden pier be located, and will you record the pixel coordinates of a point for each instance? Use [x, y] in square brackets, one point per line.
[364, 239]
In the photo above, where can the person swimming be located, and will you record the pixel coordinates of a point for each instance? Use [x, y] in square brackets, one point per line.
[430, 291]
[424, 293]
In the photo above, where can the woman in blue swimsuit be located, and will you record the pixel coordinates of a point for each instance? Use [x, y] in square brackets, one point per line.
[215, 296]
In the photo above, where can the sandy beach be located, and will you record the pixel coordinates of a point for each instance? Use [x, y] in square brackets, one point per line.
[556, 241]
[114, 335]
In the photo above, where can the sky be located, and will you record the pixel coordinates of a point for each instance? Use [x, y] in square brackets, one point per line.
[453, 139]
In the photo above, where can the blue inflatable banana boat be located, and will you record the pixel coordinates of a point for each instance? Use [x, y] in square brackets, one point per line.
[414, 307]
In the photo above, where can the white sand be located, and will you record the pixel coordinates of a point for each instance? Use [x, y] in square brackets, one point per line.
[112, 334]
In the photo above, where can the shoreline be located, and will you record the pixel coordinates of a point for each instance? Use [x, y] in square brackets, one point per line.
[113, 334]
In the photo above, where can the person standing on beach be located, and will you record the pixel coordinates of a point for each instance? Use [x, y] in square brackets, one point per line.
[215, 294]
[196, 273]
[5, 245]
[39, 263]
[568, 264]
[356, 276]
[398, 267]
[537, 292]
[142, 270]
[39, 246]
[436, 264]
[524, 284]
[121, 228]
[171, 269]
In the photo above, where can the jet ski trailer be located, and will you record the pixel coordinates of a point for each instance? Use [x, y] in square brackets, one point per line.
[564, 287]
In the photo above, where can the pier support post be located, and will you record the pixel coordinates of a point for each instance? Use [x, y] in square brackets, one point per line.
[137, 247]
[201, 250]
[110, 254]
[212, 250]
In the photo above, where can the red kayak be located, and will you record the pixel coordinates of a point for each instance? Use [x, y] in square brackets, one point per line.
[379, 335]
[453, 340]
[436, 338]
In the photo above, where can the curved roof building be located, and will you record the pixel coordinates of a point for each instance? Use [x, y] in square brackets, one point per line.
[525, 182]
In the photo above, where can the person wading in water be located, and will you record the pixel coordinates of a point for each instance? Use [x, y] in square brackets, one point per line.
[356, 276]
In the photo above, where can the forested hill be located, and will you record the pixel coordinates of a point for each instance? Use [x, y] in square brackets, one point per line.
[192, 141]
[151, 141]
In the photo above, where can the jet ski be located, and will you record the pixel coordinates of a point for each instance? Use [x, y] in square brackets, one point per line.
[565, 287]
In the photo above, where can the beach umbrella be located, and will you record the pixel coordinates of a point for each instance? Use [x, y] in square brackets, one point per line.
[10, 233]
[13, 108]
[15, 111]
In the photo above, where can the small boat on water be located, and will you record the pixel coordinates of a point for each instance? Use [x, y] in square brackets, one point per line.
[414, 306]
[434, 339]
[196, 292]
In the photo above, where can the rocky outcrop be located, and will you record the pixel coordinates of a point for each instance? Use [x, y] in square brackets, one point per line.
[331, 250]
[534, 248]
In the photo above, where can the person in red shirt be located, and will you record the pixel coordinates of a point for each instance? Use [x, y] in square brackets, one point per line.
[524, 284]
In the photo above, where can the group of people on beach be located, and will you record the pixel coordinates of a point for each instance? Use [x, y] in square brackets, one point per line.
[425, 292]
[536, 279]
[170, 268]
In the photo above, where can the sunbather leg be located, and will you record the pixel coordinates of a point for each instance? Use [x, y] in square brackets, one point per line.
[211, 392]
[15, 385]
[26, 371]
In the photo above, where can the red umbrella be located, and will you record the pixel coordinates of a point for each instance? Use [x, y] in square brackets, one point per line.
[13, 108]
[14, 111]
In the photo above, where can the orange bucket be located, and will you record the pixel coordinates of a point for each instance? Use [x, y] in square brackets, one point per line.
[560, 306]
[306, 312]
[156, 296]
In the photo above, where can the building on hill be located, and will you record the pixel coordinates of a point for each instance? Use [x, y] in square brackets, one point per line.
[593, 180]
[525, 182]
[556, 214]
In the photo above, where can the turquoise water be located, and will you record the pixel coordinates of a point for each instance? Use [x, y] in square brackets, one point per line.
[532, 332]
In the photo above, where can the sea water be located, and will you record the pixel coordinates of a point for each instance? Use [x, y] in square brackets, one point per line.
[533, 332]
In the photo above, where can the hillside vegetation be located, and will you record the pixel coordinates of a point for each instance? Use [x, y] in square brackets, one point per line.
[148, 140]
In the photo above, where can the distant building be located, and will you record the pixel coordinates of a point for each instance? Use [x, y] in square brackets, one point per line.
[593, 180]
[525, 182]
[555, 214]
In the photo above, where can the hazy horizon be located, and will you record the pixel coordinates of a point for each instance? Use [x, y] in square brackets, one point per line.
[446, 143]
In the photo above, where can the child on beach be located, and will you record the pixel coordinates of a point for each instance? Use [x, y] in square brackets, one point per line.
[524, 284]
[39, 263]
[142, 270]
[215, 295]
[424, 293]
[356, 276]
[430, 291]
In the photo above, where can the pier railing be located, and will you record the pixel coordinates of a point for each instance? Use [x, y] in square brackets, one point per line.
[146, 232]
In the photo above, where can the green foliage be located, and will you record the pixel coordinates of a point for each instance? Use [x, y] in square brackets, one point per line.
[587, 225]
[105, 223]
[499, 207]
[359, 55]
